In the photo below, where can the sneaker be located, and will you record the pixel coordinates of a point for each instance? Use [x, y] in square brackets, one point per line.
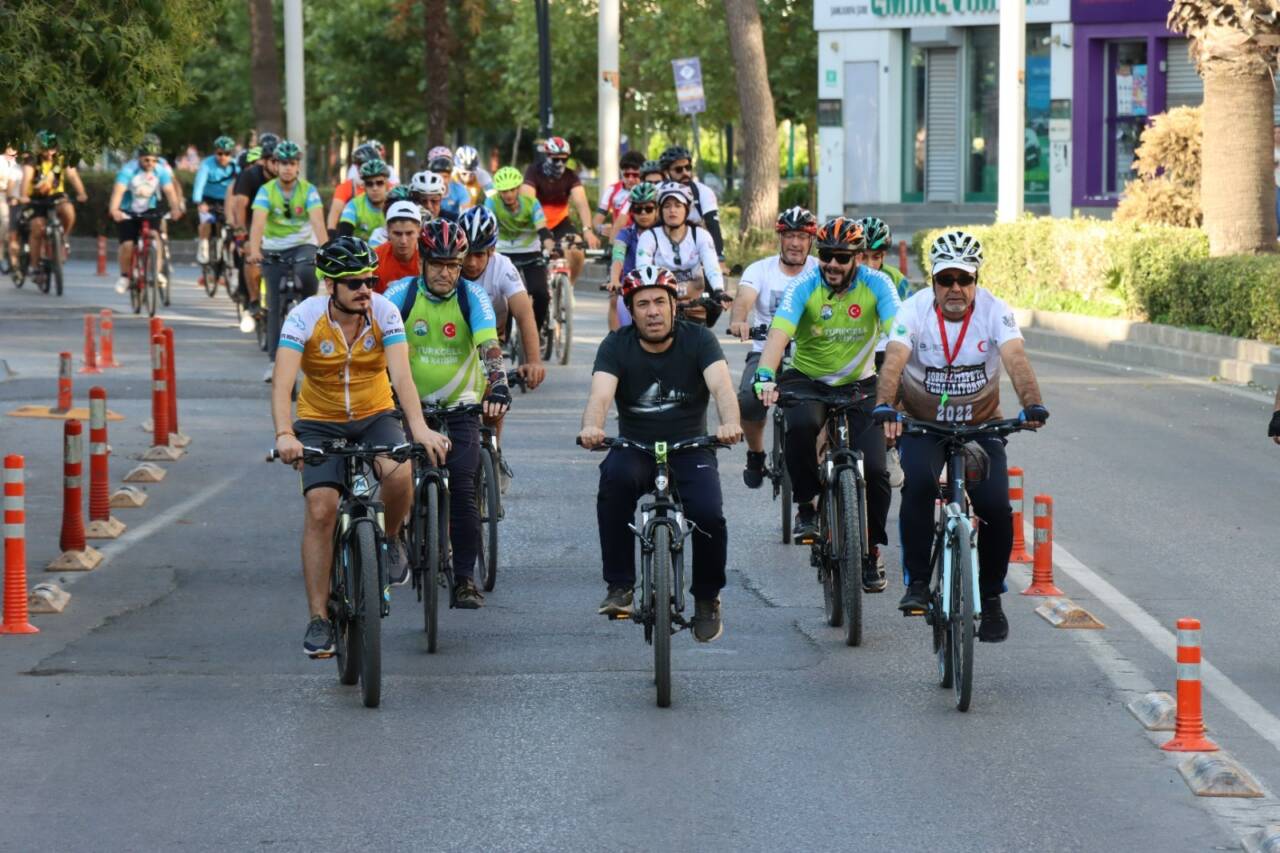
[994, 627]
[504, 474]
[397, 563]
[753, 474]
[805, 529]
[916, 597]
[122, 285]
[706, 620]
[247, 323]
[873, 579]
[617, 602]
[202, 251]
[318, 643]
[893, 462]
[271, 368]
[466, 596]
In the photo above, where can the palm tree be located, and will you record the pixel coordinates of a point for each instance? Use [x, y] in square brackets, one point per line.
[1234, 43]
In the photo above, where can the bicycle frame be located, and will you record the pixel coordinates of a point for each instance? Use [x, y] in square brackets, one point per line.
[664, 510]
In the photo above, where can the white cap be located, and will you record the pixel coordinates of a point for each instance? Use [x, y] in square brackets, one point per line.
[939, 266]
[404, 210]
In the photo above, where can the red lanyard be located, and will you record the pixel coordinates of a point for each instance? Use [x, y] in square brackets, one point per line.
[942, 330]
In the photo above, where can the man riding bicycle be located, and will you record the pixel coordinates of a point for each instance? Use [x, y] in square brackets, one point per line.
[943, 364]
[836, 315]
[661, 372]
[456, 360]
[398, 256]
[346, 343]
[251, 179]
[364, 214]
[44, 188]
[214, 178]
[136, 191]
[522, 235]
[557, 188]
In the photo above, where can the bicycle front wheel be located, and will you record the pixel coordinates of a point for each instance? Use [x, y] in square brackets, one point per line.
[960, 630]
[662, 569]
[342, 588]
[427, 516]
[849, 538]
[57, 245]
[150, 294]
[829, 570]
[564, 318]
[488, 502]
[368, 612]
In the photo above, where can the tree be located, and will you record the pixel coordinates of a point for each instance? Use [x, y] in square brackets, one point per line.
[435, 21]
[264, 68]
[758, 121]
[98, 72]
[1234, 43]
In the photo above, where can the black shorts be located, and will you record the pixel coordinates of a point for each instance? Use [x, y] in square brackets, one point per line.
[565, 229]
[382, 428]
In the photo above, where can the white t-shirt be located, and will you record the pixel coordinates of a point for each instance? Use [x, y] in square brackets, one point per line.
[501, 281]
[967, 390]
[768, 280]
[693, 259]
[377, 237]
[704, 201]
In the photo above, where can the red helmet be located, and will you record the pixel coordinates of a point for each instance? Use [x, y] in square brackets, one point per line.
[648, 276]
[442, 240]
[556, 145]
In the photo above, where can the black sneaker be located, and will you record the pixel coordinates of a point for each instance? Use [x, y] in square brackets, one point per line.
[318, 643]
[706, 620]
[397, 563]
[805, 529]
[916, 597]
[466, 596]
[753, 474]
[617, 602]
[873, 579]
[994, 627]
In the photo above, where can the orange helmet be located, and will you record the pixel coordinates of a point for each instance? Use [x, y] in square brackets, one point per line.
[842, 233]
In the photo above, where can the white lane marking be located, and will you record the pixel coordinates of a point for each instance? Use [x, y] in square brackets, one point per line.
[1221, 687]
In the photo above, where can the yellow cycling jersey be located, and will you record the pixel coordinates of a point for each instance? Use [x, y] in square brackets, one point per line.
[50, 176]
[342, 383]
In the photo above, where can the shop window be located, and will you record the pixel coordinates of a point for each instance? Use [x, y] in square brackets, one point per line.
[913, 120]
[1125, 111]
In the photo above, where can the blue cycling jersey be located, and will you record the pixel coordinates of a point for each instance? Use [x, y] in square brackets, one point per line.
[213, 180]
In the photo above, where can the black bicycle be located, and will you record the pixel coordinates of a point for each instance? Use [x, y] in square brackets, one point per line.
[660, 597]
[359, 592]
[290, 294]
[221, 265]
[955, 599]
[775, 466]
[710, 303]
[48, 268]
[489, 497]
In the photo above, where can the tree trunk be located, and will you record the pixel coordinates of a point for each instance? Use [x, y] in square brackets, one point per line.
[515, 145]
[436, 55]
[1237, 189]
[759, 125]
[264, 68]
[811, 144]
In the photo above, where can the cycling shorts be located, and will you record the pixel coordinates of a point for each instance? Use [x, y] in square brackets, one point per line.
[566, 228]
[382, 428]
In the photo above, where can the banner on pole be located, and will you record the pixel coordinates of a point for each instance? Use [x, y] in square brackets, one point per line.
[689, 94]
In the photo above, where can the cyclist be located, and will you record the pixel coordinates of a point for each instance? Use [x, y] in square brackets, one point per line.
[759, 292]
[643, 207]
[456, 198]
[943, 364]
[835, 314]
[651, 172]
[216, 174]
[346, 343]
[137, 188]
[556, 188]
[363, 214]
[288, 221]
[398, 255]
[375, 149]
[455, 359]
[661, 372]
[350, 187]
[879, 239]
[616, 201]
[44, 188]
[467, 172]
[243, 193]
[684, 248]
[10, 189]
[428, 190]
[1273, 428]
[522, 236]
[677, 164]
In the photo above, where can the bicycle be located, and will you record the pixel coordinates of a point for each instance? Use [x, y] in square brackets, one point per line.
[955, 598]
[48, 272]
[220, 266]
[557, 332]
[775, 466]
[290, 295]
[358, 583]
[489, 497]
[840, 551]
[145, 273]
[704, 301]
[660, 597]
[22, 227]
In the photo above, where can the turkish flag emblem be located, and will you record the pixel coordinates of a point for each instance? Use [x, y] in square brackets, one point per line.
[450, 330]
[855, 310]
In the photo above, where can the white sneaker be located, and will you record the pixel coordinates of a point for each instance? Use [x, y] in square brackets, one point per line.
[122, 285]
[202, 251]
[894, 464]
[246, 323]
[271, 368]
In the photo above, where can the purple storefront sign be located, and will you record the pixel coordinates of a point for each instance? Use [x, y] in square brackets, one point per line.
[1118, 11]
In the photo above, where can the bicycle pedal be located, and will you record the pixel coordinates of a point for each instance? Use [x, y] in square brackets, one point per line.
[614, 617]
[914, 611]
[322, 656]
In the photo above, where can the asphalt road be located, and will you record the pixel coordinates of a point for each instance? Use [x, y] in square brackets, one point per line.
[171, 707]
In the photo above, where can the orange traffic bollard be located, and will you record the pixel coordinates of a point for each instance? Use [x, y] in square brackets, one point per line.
[101, 524]
[107, 334]
[90, 347]
[64, 383]
[1019, 553]
[902, 257]
[1042, 569]
[156, 326]
[1188, 728]
[171, 379]
[72, 538]
[17, 620]
[102, 256]
[159, 392]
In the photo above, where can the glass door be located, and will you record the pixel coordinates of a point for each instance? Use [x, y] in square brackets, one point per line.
[1125, 107]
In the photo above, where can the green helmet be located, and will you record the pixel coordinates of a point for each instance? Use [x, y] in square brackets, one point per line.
[877, 232]
[643, 192]
[46, 140]
[345, 257]
[372, 169]
[399, 193]
[287, 151]
[152, 139]
[507, 178]
[253, 155]
[149, 147]
[224, 143]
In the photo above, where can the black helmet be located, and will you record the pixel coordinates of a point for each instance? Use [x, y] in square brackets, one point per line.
[440, 164]
[267, 142]
[345, 257]
[672, 155]
[796, 219]
[364, 153]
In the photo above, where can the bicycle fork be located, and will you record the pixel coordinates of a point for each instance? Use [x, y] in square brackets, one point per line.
[680, 529]
[957, 524]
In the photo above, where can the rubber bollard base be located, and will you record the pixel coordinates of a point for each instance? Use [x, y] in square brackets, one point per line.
[109, 529]
[1218, 775]
[1156, 711]
[77, 561]
[1065, 613]
[48, 597]
[163, 453]
[128, 497]
[145, 473]
[179, 439]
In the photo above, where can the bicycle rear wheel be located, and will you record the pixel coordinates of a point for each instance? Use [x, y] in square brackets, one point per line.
[57, 245]
[20, 271]
[832, 596]
[564, 317]
[661, 575]
[960, 629]
[548, 331]
[368, 612]
[135, 290]
[488, 502]
[849, 538]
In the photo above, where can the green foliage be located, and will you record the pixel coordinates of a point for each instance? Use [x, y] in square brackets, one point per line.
[98, 72]
[794, 194]
[1237, 295]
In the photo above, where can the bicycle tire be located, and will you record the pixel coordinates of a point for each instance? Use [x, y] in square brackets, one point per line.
[20, 272]
[368, 618]
[662, 569]
[488, 502]
[135, 292]
[564, 340]
[164, 283]
[149, 292]
[961, 626]
[346, 639]
[209, 278]
[42, 281]
[431, 551]
[850, 556]
[781, 479]
[56, 247]
[260, 329]
[548, 331]
[832, 597]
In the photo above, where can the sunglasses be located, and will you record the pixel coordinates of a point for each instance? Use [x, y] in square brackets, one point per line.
[357, 283]
[946, 282]
[630, 174]
[222, 154]
[375, 183]
[644, 208]
[560, 159]
[831, 255]
[682, 170]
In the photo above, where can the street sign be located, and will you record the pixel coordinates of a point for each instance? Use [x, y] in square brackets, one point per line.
[689, 94]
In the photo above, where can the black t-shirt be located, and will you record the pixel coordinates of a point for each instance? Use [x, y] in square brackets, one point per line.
[250, 181]
[661, 396]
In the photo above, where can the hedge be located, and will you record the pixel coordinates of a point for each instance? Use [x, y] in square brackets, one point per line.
[1237, 295]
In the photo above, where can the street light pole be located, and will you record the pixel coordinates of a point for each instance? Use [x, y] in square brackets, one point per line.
[607, 86]
[295, 85]
[544, 67]
[1013, 56]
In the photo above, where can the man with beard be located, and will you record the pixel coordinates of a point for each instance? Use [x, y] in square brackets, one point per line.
[677, 165]
[661, 372]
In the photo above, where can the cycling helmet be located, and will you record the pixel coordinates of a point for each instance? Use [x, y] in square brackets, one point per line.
[268, 142]
[955, 250]
[557, 146]
[252, 155]
[439, 151]
[399, 193]
[481, 228]
[149, 148]
[507, 178]
[287, 152]
[842, 233]
[345, 257]
[796, 219]
[647, 276]
[649, 167]
[404, 210]
[426, 183]
[46, 140]
[151, 138]
[378, 148]
[643, 192]
[672, 155]
[440, 165]
[466, 159]
[224, 143]
[671, 189]
[363, 154]
[442, 240]
[374, 168]
[878, 234]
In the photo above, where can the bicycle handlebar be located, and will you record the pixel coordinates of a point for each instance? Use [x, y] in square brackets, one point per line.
[911, 426]
[755, 333]
[339, 447]
[834, 400]
[699, 441]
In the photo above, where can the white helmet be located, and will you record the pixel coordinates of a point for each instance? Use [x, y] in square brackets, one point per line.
[955, 250]
[466, 159]
[672, 189]
[426, 183]
[404, 210]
